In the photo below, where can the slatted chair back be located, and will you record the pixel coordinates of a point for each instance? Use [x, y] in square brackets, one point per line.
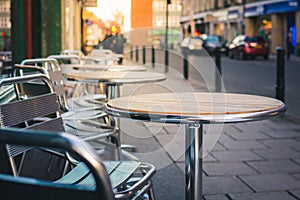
[72, 52]
[139, 173]
[67, 58]
[101, 52]
[15, 188]
[40, 112]
[51, 68]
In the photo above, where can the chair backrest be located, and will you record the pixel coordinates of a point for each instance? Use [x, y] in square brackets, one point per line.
[40, 112]
[101, 52]
[51, 68]
[22, 126]
[67, 58]
[72, 52]
[28, 188]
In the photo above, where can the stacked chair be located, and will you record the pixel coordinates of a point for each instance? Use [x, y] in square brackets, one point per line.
[31, 124]
[89, 121]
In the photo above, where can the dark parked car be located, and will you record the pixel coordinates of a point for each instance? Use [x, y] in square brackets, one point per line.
[243, 46]
[211, 42]
[191, 45]
[5, 63]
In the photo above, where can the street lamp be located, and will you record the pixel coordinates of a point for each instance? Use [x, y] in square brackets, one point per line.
[166, 36]
[243, 16]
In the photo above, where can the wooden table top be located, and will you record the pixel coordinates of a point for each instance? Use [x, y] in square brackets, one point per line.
[116, 76]
[205, 107]
[97, 67]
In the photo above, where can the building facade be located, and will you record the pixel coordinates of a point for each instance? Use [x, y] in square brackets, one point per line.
[159, 20]
[148, 21]
[43, 27]
[141, 23]
[274, 18]
[5, 24]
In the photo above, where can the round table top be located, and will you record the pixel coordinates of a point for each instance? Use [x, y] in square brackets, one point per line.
[195, 107]
[109, 57]
[97, 67]
[116, 76]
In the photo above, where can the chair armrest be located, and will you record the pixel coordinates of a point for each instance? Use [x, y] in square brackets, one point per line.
[66, 142]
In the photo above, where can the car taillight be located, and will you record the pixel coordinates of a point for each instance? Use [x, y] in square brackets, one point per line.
[246, 45]
[253, 44]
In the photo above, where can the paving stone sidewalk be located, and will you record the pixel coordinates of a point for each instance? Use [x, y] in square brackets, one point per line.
[256, 160]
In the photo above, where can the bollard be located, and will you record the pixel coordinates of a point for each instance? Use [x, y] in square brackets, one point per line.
[137, 54]
[144, 54]
[153, 56]
[131, 52]
[218, 72]
[166, 60]
[280, 82]
[185, 66]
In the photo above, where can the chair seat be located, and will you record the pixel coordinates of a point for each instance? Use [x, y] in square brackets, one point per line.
[87, 100]
[84, 114]
[119, 172]
[88, 132]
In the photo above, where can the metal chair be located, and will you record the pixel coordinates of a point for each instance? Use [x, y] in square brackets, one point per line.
[128, 179]
[72, 52]
[51, 67]
[15, 188]
[79, 122]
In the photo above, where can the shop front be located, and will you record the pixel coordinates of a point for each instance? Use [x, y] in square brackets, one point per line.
[234, 22]
[273, 20]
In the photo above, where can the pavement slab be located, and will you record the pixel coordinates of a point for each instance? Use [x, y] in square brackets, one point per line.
[282, 143]
[233, 156]
[288, 133]
[296, 193]
[275, 166]
[216, 197]
[228, 169]
[243, 145]
[224, 185]
[263, 196]
[282, 153]
[271, 182]
[248, 135]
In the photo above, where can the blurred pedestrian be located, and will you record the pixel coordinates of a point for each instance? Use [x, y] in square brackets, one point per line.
[262, 32]
[119, 46]
[107, 42]
[7, 44]
[289, 45]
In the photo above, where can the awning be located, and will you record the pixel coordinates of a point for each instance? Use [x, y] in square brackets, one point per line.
[269, 7]
[233, 14]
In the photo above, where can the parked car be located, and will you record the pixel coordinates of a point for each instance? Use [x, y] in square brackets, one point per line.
[5, 62]
[191, 45]
[243, 46]
[211, 42]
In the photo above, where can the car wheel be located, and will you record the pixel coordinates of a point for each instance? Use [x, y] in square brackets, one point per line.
[266, 57]
[230, 54]
[241, 55]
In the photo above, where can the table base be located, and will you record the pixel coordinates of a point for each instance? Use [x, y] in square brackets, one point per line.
[193, 161]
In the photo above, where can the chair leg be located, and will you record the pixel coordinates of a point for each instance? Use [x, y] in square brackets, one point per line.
[13, 166]
[151, 193]
[50, 163]
[21, 164]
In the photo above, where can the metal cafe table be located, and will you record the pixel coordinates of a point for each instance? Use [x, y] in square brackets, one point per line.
[113, 80]
[97, 67]
[194, 110]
